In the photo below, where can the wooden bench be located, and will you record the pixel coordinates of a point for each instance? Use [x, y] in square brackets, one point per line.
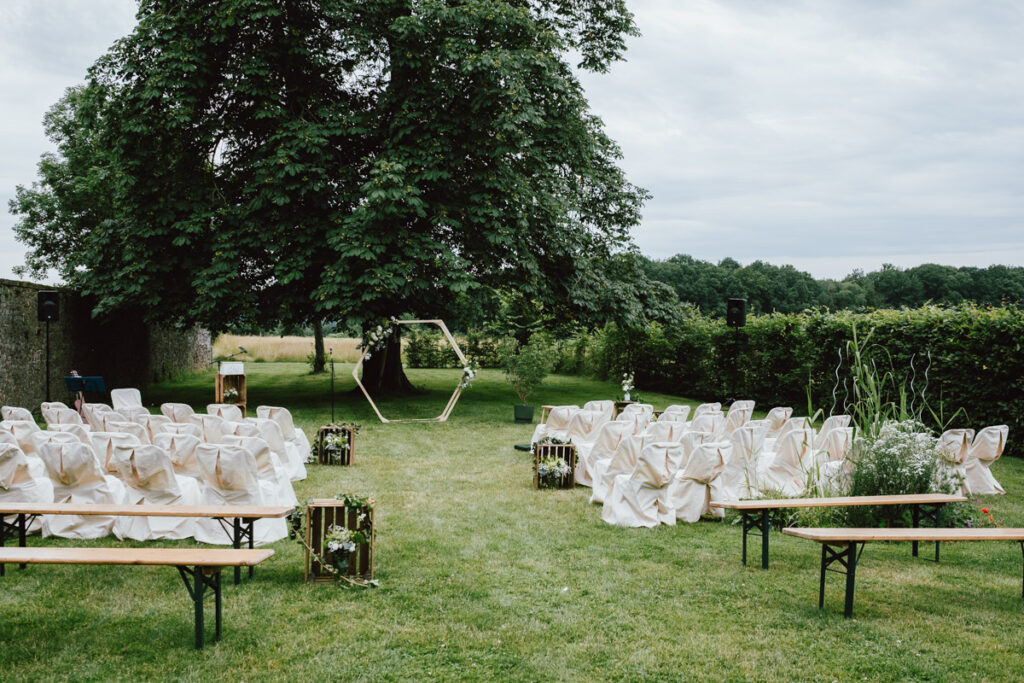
[237, 520]
[755, 515]
[199, 567]
[840, 545]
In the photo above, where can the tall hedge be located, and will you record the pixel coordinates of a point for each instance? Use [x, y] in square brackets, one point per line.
[975, 361]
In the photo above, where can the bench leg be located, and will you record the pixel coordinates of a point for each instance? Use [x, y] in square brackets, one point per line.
[846, 555]
[236, 542]
[757, 519]
[929, 512]
[201, 579]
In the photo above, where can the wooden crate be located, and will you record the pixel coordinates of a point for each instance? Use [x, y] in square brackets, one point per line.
[225, 382]
[321, 515]
[566, 452]
[324, 457]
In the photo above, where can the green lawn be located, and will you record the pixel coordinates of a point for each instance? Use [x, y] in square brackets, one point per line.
[483, 577]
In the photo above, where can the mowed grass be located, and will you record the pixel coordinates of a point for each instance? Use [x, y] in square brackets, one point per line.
[484, 578]
[283, 349]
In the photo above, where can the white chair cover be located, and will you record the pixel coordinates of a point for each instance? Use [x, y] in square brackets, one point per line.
[149, 479]
[153, 424]
[124, 399]
[76, 478]
[607, 407]
[986, 448]
[739, 476]
[212, 428]
[641, 497]
[22, 431]
[953, 445]
[830, 423]
[93, 413]
[182, 450]
[103, 445]
[80, 431]
[189, 428]
[16, 413]
[690, 440]
[557, 424]
[244, 429]
[46, 436]
[109, 417]
[789, 465]
[608, 439]
[676, 408]
[736, 418]
[832, 468]
[736, 406]
[584, 425]
[133, 428]
[65, 416]
[228, 411]
[666, 431]
[623, 460]
[178, 412]
[17, 485]
[48, 409]
[776, 418]
[297, 457]
[705, 408]
[274, 478]
[708, 422]
[690, 492]
[638, 419]
[230, 477]
[679, 416]
[286, 451]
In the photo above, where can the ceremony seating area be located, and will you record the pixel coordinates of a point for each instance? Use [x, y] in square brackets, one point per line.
[122, 454]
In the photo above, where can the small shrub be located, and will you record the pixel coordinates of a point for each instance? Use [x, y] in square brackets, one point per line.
[525, 366]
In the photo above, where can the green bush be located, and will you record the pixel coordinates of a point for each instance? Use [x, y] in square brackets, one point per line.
[526, 365]
[429, 349]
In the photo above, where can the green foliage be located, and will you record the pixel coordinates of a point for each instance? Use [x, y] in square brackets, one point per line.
[525, 366]
[254, 161]
[429, 349]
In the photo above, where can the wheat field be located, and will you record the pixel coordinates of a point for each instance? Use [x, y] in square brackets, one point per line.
[283, 349]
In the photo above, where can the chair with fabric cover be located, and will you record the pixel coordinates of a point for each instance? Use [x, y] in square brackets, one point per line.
[623, 460]
[708, 422]
[109, 417]
[274, 477]
[93, 412]
[178, 412]
[17, 484]
[80, 431]
[584, 425]
[736, 406]
[65, 416]
[247, 428]
[16, 413]
[776, 419]
[679, 416]
[603, 406]
[47, 436]
[953, 445]
[182, 449]
[609, 436]
[190, 428]
[633, 408]
[76, 478]
[153, 424]
[789, 464]
[230, 477]
[690, 492]
[665, 431]
[830, 423]
[48, 410]
[641, 498]
[22, 431]
[36, 467]
[637, 419]
[300, 448]
[705, 408]
[228, 411]
[557, 424]
[739, 476]
[832, 469]
[103, 445]
[676, 409]
[287, 452]
[212, 428]
[690, 440]
[133, 428]
[734, 419]
[985, 449]
[149, 479]
[128, 402]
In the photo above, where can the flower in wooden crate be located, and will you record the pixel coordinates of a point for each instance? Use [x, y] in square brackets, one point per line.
[551, 469]
[230, 395]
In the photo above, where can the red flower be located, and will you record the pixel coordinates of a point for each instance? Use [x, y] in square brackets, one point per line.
[984, 511]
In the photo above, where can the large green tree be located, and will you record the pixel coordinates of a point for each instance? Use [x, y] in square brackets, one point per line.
[350, 160]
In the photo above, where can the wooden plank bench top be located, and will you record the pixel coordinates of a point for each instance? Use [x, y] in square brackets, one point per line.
[242, 518]
[755, 512]
[839, 545]
[242, 511]
[839, 501]
[199, 567]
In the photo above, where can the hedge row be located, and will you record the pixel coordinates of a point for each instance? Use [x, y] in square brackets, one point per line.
[963, 357]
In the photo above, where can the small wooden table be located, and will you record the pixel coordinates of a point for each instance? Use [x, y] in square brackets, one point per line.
[241, 518]
[840, 545]
[755, 512]
[199, 567]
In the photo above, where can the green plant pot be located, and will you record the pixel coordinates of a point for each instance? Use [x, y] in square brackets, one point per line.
[523, 413]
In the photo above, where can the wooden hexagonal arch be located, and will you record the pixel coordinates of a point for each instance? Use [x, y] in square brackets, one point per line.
[443, 417]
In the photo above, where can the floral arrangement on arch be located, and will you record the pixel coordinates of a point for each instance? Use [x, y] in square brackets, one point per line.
[469, 374]
[376, 338]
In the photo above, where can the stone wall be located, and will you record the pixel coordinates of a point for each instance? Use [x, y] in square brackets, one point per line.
[124, 350]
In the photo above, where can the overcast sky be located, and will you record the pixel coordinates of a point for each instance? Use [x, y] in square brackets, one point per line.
[829, 135]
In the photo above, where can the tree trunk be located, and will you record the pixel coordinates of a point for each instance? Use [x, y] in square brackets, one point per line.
[319, 363]
[383, 374]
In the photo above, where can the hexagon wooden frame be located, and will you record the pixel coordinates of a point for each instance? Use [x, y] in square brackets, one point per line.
[443, 417]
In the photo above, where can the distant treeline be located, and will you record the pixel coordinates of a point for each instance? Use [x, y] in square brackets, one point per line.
[785, 289]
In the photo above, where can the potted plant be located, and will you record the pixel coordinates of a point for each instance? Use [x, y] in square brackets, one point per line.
[525, 367]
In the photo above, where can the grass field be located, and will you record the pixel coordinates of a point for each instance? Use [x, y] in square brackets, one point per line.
[484, 578]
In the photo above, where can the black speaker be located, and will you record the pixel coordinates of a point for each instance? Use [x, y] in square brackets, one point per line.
[49, 306]
[736, 312]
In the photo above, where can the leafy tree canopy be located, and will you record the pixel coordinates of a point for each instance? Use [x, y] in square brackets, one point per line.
[249, 161]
